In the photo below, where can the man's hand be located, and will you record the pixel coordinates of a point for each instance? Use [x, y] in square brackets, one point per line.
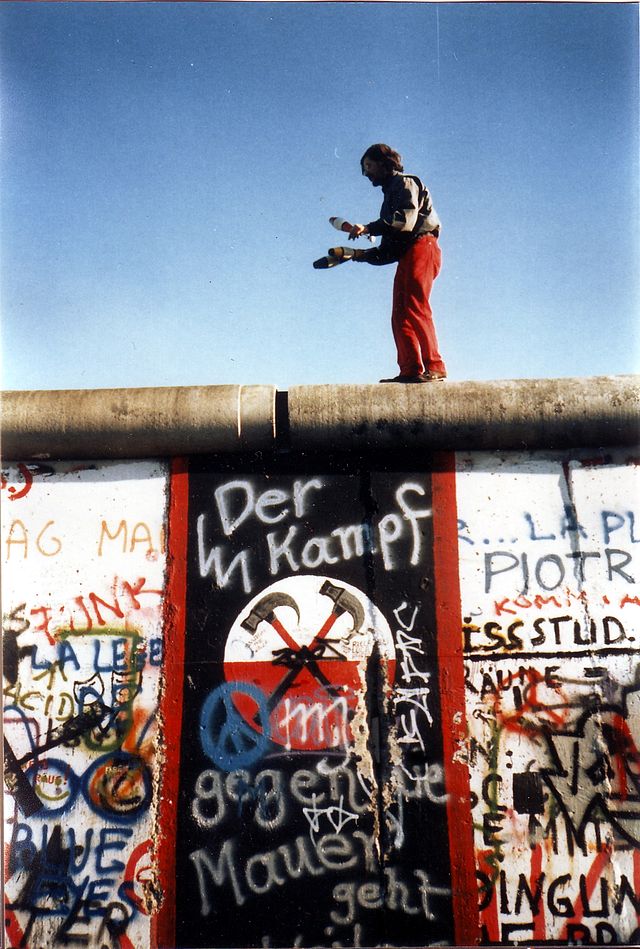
[357, 230]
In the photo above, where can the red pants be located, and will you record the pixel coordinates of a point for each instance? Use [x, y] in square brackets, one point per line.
[411, 317]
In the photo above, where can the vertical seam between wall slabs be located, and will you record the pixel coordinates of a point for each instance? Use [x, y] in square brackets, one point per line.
[376, 743]
[239, 413]
[281, 422]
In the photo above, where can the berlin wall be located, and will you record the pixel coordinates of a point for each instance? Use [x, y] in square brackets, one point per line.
[340, 667]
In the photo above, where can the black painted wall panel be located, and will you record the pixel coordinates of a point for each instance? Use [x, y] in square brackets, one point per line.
[311, 806]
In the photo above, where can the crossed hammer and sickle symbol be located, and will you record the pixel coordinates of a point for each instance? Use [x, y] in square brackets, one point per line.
[296, 657]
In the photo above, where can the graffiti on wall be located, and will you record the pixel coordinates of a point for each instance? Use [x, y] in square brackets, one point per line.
[312, 771]
[83, 562]
[267, 753]
[549, 563]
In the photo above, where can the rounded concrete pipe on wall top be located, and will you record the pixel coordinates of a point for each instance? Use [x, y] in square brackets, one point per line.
[506, 414]
[130, 423]
[165, 421]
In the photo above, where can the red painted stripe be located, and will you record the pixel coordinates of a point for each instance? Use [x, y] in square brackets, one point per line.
[539, 924]
[452, 699]
[163, 928]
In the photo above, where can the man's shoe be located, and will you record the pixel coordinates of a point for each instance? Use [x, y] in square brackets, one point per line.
[417, 378]
[433, 376]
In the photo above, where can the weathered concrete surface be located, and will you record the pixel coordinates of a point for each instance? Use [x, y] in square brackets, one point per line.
[121, 423]
[506, 414]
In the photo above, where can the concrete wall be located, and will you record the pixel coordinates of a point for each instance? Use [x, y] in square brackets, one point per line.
[300, 689]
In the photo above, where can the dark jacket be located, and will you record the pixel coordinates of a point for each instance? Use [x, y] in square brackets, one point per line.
[407, 213]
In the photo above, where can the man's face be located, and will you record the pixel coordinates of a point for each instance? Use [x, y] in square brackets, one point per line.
[375, 171]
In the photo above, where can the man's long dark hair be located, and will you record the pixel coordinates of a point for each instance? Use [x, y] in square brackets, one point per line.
[385, 154]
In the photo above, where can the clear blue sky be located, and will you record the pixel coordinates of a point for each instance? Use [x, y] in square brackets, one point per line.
[169, 170]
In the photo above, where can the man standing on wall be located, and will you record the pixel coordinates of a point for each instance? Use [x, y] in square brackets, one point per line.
[409, 227]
